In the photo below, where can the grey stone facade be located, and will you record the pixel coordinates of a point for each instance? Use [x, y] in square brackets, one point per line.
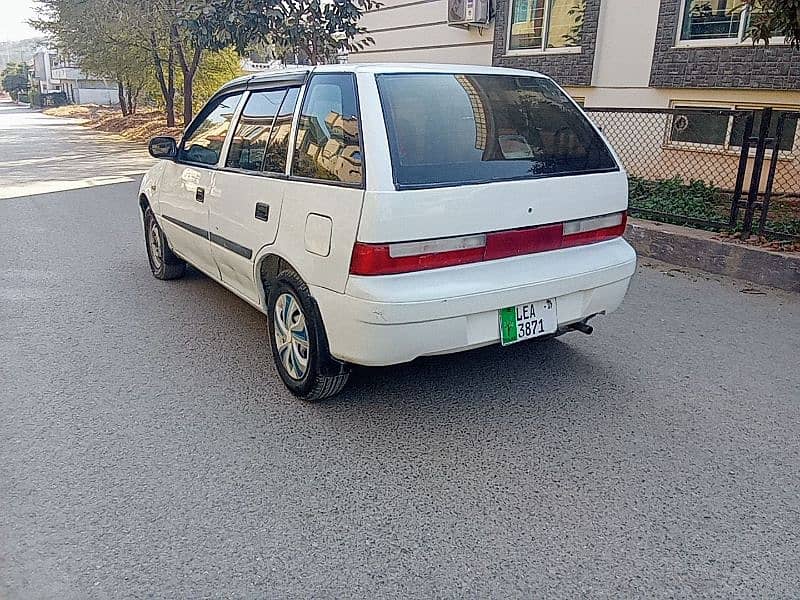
[744, 67]
[566, 69]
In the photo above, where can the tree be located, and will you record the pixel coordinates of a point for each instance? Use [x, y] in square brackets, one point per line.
[309, 29]
[775, 18]
[216, 69]
[93, 34]
[175, 36]
[171, 30]
[14, 79]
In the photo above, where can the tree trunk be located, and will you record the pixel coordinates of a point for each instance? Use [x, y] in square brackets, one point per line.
[131, 98]
[188, 70]
[123, 105]
[170, 108]
[165, 84]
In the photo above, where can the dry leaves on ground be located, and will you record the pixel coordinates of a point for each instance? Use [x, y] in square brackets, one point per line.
[140, 127]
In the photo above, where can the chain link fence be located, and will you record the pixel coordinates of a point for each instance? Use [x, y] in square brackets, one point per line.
[710, 168]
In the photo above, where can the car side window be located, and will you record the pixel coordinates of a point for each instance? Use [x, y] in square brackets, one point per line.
[249, 143]
[278, 147]
[203, 141]
[328, 144]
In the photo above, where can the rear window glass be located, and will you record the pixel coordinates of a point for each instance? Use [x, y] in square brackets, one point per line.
[450, 129]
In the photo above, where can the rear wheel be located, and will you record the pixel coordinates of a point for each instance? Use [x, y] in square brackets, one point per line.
[163, 262]
[299, 345]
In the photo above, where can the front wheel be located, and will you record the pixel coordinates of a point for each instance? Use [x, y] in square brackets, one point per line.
[299, 345]
[163, 262]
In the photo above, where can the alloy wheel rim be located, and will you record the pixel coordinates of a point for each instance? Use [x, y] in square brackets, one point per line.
[291, 336]
[155, 245]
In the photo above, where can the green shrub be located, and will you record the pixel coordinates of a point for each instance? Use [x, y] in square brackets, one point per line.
[695, 200]
[680, 203]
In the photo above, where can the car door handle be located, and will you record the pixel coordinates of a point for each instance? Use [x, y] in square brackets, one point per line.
[200, 195]
[262, 211]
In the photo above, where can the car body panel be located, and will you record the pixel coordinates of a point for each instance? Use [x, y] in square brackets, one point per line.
[183, 218]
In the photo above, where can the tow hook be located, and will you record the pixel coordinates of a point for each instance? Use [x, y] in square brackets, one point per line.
[582, 327]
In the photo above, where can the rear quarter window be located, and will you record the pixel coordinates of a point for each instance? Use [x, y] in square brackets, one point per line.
[328, 144]
[456, 129]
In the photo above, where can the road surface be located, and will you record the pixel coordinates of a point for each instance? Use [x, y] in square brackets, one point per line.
[42, 154]
[147, 448]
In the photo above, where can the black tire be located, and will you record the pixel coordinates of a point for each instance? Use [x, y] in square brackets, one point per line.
[163, 262]
[321, 376]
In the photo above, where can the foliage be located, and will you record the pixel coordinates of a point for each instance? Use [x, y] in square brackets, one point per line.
[173, 46]
[91, 34]
[302, 30]
[683, 202]
[14, 78]
[774, 18]
[216, 69]
[701, 205]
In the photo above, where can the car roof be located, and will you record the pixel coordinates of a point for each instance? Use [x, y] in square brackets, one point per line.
[300, 73]
[424, 68]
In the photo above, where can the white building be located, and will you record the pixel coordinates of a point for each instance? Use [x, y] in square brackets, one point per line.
[54, 73]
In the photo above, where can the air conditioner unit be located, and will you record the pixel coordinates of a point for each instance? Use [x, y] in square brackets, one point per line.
[463, 13]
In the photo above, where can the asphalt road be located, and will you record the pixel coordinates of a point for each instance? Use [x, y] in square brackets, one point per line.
[148, 450]
[40, 154]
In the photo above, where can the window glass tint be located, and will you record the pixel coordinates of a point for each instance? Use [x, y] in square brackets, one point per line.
[278, 147]
[203, 142]
[699, 127]
[249, 142]
[327, 145]
[711, 19]
[447, 129]
[787, 135]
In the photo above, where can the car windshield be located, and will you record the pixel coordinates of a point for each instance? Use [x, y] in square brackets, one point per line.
[451, 129]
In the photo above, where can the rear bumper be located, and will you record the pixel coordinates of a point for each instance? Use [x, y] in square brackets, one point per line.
[397, 318]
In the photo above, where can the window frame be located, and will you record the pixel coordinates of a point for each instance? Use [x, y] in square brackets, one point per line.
[240, 109]
[209, 107]
[545, 33]
[296, 130]
[739, 41]
[726, 147]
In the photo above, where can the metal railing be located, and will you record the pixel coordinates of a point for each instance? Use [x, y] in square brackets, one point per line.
[718, 169]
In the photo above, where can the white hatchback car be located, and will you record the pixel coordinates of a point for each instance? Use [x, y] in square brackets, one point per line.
[378, 213]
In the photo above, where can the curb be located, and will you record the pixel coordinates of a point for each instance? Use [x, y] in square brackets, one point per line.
[703, 250]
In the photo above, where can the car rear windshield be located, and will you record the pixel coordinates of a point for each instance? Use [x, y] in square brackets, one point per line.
[451, 129]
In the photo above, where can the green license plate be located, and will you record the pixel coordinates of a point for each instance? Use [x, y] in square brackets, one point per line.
[526, 321]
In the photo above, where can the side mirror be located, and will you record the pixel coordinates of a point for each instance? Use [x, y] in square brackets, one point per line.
[163, 147]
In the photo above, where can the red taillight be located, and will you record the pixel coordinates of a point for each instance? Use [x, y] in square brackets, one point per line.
[406, 257]
[375, 259]
[595, 229]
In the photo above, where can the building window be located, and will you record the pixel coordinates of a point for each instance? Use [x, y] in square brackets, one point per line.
[786, 141]
[699, 127]
[726, 21]
[712, 20]
[546, 24]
